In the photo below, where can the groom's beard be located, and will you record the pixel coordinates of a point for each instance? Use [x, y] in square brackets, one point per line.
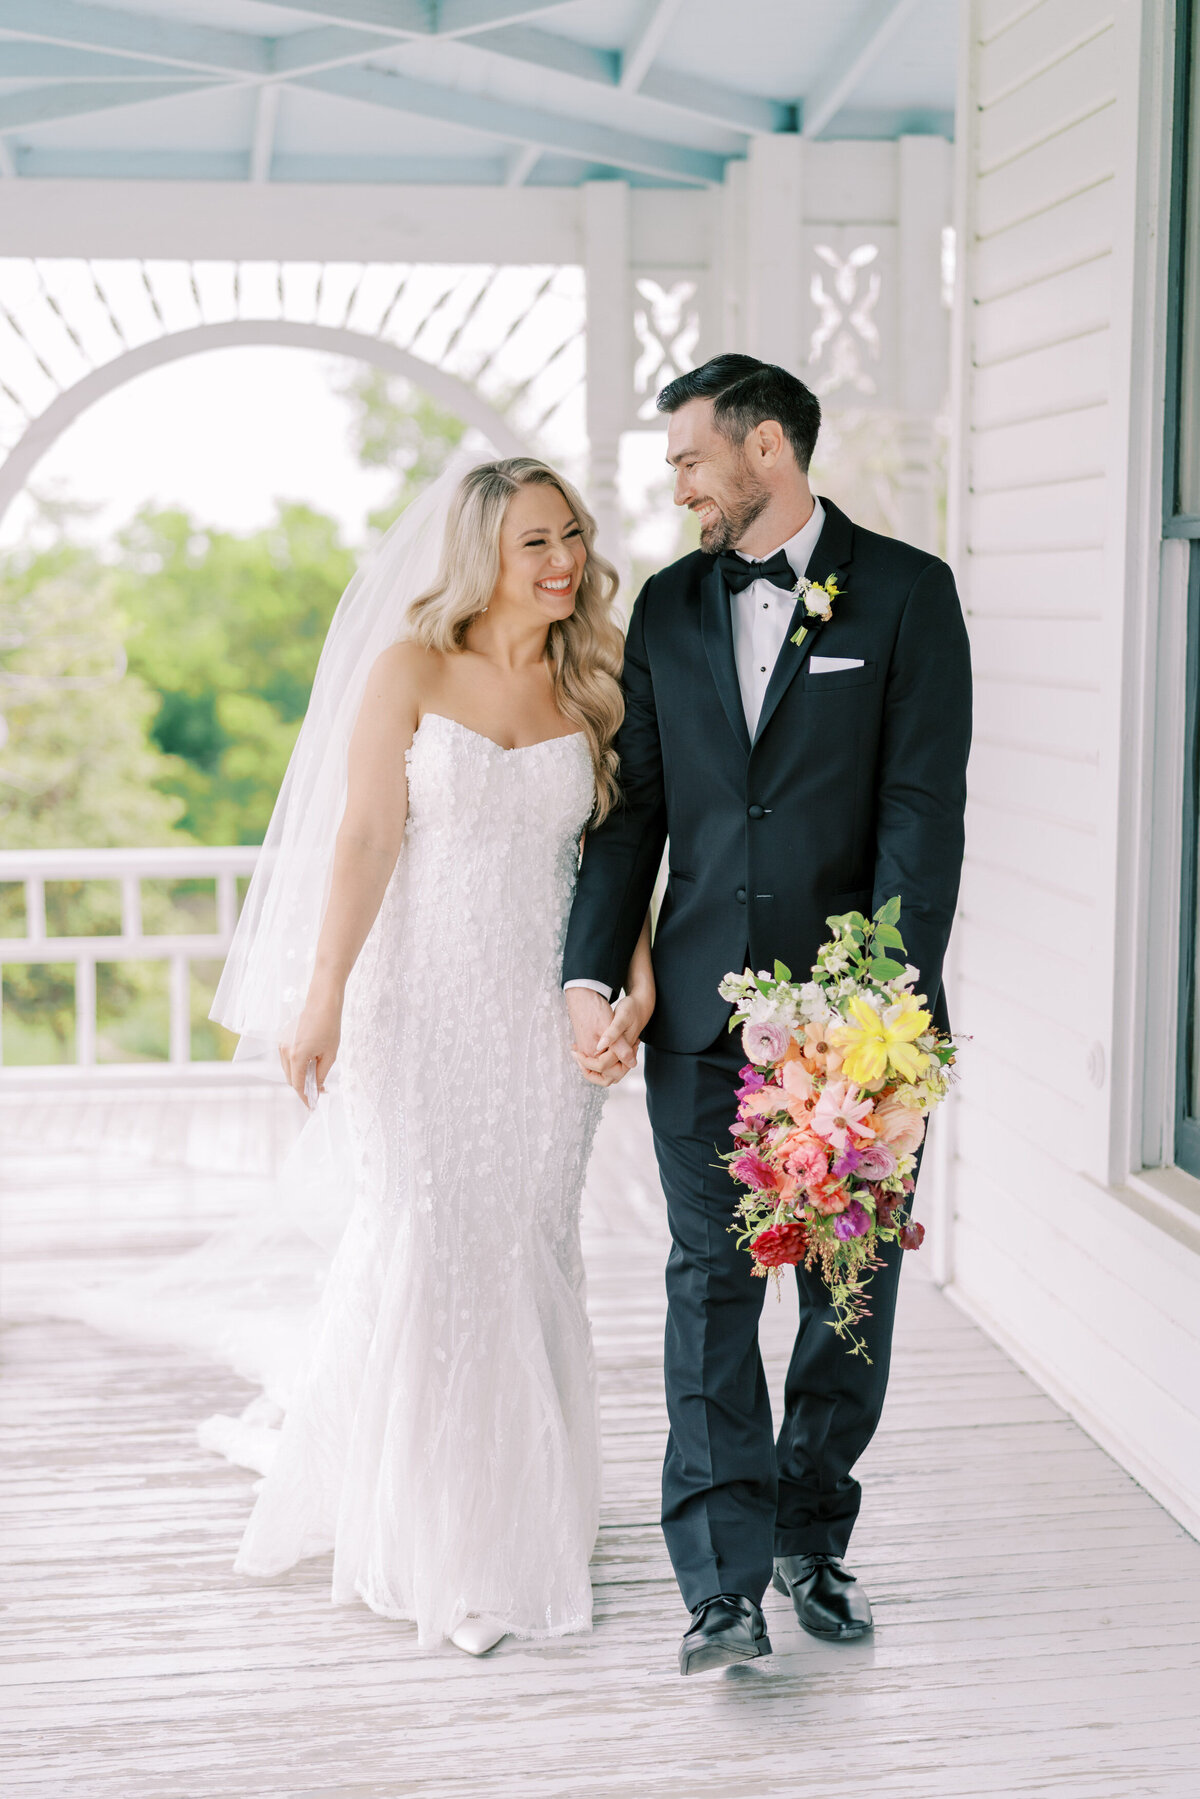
[736, 514]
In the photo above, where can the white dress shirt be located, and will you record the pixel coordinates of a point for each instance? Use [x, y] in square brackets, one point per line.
[762, 613]
[761, 616]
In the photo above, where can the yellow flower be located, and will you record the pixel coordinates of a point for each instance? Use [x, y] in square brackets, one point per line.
[873, 1044]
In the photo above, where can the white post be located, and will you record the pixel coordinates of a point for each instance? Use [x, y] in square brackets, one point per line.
[609, 352]
[923, 332]
[732, 259]
[179, 999]
[131, 906]
[774, 260]
[85, 1012]
[35, 909]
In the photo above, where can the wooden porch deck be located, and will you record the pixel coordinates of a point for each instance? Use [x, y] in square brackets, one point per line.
[1038, 1614]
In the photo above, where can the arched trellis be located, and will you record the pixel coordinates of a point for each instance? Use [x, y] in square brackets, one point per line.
[449, 390]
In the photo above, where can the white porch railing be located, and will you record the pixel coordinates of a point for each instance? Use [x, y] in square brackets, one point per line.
[33, 869]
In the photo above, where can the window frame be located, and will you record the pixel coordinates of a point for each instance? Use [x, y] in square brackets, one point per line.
[1185, 525]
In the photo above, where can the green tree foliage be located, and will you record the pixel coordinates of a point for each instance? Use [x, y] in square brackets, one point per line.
[76, 768]
[226, 630]
[398, 427]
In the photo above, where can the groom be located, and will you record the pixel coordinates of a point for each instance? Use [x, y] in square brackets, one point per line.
[792, 781]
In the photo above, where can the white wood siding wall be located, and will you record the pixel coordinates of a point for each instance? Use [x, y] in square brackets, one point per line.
[1096, 1299]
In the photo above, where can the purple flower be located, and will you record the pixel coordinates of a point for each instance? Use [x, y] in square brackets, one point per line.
[853, 1222]
[849, 1160]
[751, 1170]
[751, 1080]
[765, 1043]
[875, 1162]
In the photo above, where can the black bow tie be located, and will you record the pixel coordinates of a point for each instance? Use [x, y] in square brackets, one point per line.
[739, 573]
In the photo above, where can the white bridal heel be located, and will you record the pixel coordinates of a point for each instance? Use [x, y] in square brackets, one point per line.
[475, 1636]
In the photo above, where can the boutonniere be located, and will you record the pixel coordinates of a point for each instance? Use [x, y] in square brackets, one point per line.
[818, 597]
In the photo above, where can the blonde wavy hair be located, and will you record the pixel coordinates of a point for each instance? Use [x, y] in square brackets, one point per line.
[585, 651]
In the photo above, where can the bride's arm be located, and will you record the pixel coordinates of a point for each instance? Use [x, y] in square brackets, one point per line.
[368, 843]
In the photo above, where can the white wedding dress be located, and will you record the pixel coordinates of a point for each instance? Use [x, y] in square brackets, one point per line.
[443, 1440]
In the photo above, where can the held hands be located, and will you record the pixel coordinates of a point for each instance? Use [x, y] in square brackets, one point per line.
[315, 1044]
[606, 1039]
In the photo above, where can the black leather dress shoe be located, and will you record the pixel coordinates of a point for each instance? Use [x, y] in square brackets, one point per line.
[829, 1601]
[728, 1628]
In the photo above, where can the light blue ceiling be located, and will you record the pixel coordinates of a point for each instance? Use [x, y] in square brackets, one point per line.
[663, 92]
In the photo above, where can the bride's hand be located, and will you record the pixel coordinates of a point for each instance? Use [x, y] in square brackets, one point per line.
[317, 1037]
[616, 1051]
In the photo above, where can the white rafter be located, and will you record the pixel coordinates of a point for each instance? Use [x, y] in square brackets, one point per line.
[265, 115]
[644, 47]
[521, 165]
[140, 35]
[838, 81]
[516, 124]
[8, 167]
[73, 99]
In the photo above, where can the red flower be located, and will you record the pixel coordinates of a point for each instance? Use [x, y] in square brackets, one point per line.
[780, 1245]
[912, 1235]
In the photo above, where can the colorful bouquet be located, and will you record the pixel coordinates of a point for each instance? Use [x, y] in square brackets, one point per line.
[841, 1074]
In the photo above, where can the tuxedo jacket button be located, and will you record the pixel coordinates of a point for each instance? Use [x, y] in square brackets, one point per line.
[740, 896]
[755, 812]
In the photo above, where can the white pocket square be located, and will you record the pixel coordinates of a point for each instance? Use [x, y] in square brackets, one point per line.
[832, 665]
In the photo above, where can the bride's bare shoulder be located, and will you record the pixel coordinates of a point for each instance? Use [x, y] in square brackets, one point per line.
[405, 670]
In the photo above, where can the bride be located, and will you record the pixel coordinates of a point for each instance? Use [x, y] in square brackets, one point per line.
[406, 928]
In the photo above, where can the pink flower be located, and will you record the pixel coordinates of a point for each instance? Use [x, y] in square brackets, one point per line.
[840, 1110]
[875, 1162]
[809, 1162]
[821, 1056]
[898, 1125]
[765, 1044]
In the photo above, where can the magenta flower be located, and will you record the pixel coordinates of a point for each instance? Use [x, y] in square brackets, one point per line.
[853, 1222]
[751, 1081]
[751, 1170]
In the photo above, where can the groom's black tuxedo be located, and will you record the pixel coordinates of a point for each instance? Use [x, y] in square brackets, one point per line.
[851, 791]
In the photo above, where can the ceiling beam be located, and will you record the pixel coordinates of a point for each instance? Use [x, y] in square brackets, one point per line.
[425, 18]
[522, 125]
[838, 80]
[327, 47]
[644, 46]
[521, 165]
[139, 35]
[73, 99]
[265, 114]
[8, 168]
[22, 61]
[686, 93]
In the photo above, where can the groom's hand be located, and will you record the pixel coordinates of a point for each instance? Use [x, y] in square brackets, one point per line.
[591, 1024]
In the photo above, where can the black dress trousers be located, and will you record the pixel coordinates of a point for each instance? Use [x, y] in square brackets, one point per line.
[732, 1497]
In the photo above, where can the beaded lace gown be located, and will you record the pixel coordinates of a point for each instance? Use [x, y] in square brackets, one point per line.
[443, 1440]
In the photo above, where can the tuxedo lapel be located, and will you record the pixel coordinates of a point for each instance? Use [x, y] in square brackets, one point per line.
[831, 554]
[716, 626]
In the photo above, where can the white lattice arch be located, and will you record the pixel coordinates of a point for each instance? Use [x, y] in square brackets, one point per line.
[45, 430]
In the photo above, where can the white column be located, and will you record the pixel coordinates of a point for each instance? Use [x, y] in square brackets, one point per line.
[773, 260]
[609, 351]
[923, 335]
[731, 262]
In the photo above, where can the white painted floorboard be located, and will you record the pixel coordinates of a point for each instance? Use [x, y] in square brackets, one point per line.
[1038, 1614]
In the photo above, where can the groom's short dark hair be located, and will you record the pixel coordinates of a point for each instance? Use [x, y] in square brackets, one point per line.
[744, 392]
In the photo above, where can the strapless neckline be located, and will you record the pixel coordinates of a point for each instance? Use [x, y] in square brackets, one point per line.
[518, 749]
